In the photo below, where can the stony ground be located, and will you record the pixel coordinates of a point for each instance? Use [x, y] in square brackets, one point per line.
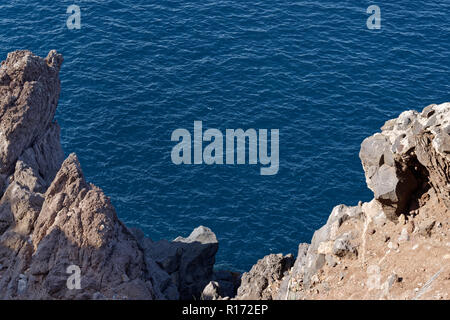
[409, 259]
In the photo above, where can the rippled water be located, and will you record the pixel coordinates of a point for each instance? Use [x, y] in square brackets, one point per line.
[137, 70]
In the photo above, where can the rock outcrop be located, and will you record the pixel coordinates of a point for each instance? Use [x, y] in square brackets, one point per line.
[60, 237]
[396, 246]
[409, 156]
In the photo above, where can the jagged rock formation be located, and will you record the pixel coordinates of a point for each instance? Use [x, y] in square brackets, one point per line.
[396, 246]
[409, 156]
[52, 220]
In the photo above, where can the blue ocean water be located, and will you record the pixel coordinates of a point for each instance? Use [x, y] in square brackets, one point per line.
[137, 70]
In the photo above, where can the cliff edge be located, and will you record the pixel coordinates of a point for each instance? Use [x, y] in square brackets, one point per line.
[396, 246]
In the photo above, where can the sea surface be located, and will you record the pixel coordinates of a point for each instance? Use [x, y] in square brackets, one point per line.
[137, 70]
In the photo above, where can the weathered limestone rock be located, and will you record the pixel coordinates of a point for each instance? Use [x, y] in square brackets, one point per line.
[373, 210]
[76, 226]
[409, 156]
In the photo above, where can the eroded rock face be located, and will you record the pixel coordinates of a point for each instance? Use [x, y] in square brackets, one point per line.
[29, 91]
[53, 222]
[30, 156]
[72, 223]
[409, 156]
[78, 226]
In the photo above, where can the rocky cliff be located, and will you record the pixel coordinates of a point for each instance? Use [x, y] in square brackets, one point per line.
[53, 222]
[396, 246]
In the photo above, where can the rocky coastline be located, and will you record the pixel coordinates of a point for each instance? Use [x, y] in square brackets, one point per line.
[396, 246]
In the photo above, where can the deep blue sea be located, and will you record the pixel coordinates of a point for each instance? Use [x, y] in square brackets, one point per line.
[137, 70]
